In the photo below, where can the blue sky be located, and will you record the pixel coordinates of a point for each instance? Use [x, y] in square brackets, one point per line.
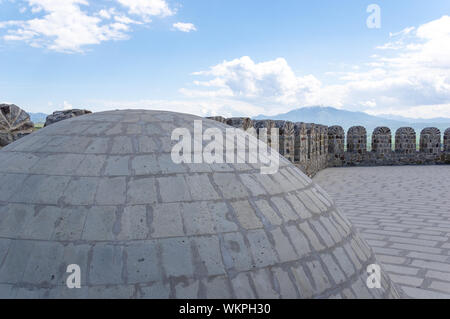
[228, 57]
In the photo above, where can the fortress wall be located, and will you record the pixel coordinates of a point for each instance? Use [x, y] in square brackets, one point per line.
[406, 153]
[313, 147]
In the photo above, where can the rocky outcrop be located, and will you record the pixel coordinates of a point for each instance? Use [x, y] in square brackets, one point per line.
[14, 124]
[58, 116]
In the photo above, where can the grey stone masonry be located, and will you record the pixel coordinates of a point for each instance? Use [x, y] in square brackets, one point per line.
[430, 141]
[447, 141]
[316, 147]
[357, 140]
[405, 140]
[141, 226]
[382, 140]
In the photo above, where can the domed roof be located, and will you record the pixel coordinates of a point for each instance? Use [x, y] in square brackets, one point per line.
[101, 191]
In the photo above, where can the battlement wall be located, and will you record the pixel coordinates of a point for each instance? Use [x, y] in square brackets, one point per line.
[313, 147]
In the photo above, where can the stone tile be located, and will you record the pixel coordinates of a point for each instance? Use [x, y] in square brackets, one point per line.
[141, 191]
[261, 248]
[197, 219]
[284, 209]
[157, 290]
[188, 289]
[263, 284]
[217, 288]
[246, 215]
[106, 265]
[13, 267]
[235, 252]
[117, 166]
[268, 212]
[201, 188]
[80, 191]
[241, 287]
[50, 194]
[167, 221]
[229, 185]
[176, 257]
[42, 267]
[111, 191]
[133, 223]
[222, 217]
[13, 218]
[122, 145]
[100, 223]
[282, 246]
[142, 262]
[210, 257]
[285, 284]
[41, 224]
[145, 165]
[299, 241]
[173, 189]
[91, 165]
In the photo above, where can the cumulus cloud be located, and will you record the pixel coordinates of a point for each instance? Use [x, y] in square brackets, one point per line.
[409, 75]
[147, 8]
[70, 25]
[184, 27]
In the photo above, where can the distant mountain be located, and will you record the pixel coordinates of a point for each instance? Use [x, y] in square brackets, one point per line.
[38, 117]
[331, 116]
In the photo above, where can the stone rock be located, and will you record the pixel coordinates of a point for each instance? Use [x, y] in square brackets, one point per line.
[58, 116]
[14, 124]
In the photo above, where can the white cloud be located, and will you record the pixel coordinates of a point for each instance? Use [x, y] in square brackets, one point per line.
[184, 27]
[70, 25]
[267, 83]
[412, 79]
[67, 106]
[146, 8]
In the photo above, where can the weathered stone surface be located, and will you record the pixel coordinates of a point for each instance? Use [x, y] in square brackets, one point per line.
[405, 140]
[165, 229]
[382, 140]
[15, 123]
[58, 116]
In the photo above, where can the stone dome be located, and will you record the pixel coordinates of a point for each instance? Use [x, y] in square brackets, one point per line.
[101, 191]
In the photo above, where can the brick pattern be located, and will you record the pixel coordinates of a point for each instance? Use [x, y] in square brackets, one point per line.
[141, 227]
[403, 214]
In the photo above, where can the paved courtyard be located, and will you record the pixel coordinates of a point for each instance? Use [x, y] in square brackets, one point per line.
[404, 214]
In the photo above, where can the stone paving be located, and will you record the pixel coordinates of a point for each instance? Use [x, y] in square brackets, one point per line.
[403, 212]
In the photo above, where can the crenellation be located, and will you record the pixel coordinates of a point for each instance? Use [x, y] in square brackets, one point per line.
[313, 147]
[357, 140]
[430, 141]
[382, 140]
[405, 140]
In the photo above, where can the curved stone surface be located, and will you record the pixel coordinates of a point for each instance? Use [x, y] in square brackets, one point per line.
[100, 191]
[405, 140]
[15, 123]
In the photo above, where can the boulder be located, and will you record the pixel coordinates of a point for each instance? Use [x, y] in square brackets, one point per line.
[58, 116]
[14, 124]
